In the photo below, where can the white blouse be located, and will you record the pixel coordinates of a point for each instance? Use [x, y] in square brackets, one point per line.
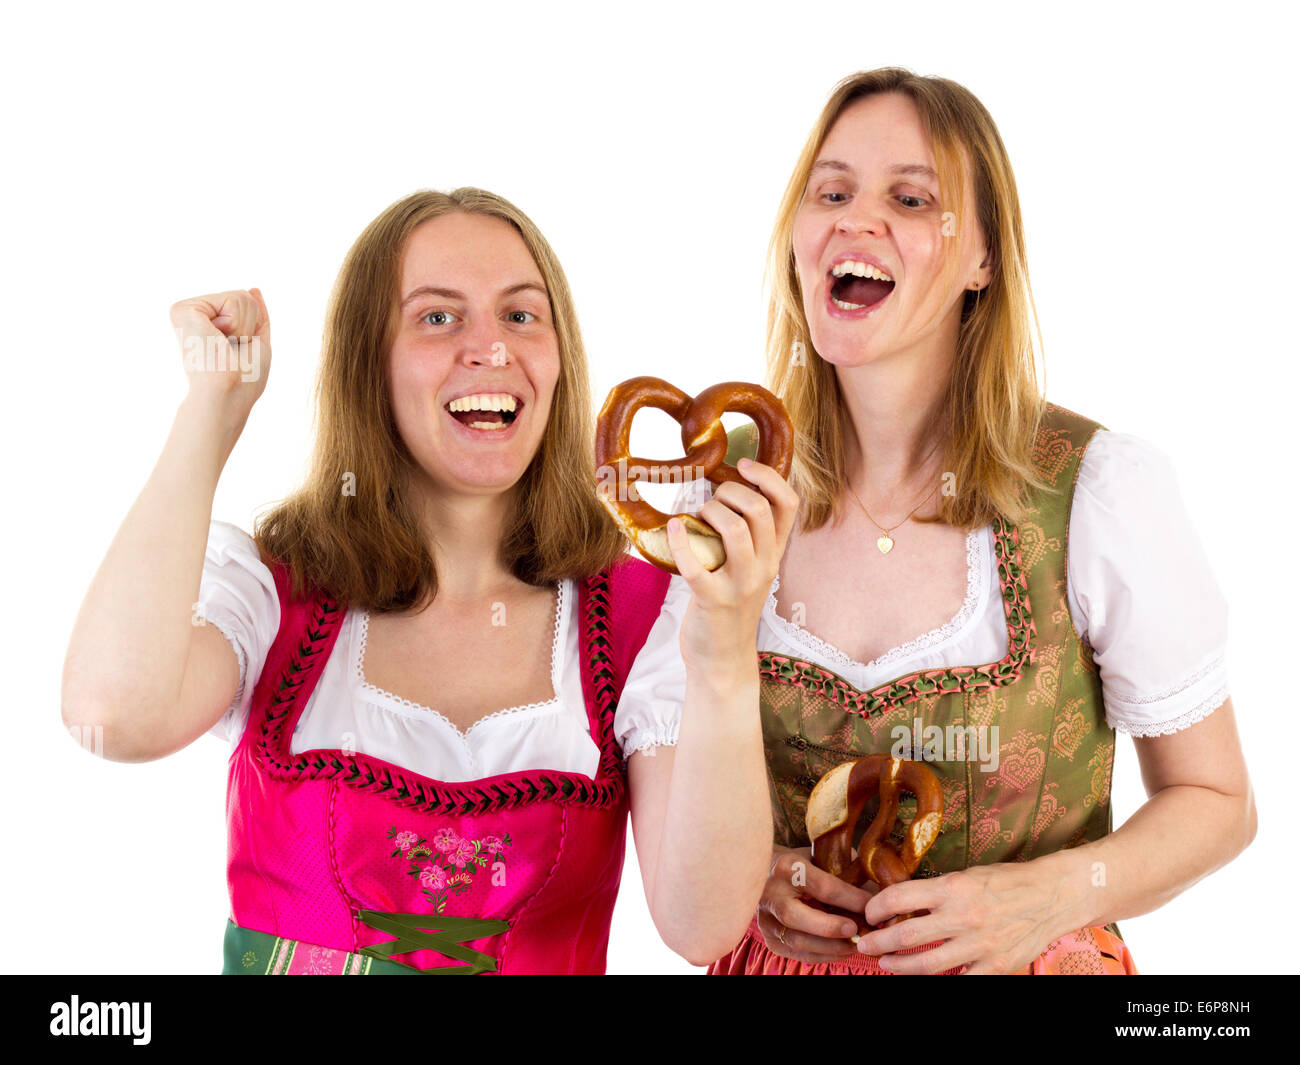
[1139, 588]
[345, 711]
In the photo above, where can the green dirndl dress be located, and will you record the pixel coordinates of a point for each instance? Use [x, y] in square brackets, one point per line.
[1040, 706]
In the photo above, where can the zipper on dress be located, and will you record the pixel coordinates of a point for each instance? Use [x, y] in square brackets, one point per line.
[801, 744]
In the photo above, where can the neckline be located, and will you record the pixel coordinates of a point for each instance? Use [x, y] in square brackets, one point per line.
[419, 709]
[1013, 586]
[308, 634]
[976, 581]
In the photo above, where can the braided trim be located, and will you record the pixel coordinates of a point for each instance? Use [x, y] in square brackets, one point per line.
[908, 688]
[601, 658]
[420, 793]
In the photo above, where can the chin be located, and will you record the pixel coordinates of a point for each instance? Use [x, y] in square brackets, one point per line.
[493, 480]
[841, 350]
[477, 479]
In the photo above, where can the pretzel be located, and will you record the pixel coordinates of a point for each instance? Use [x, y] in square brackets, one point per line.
[837, 802]
[705, 443]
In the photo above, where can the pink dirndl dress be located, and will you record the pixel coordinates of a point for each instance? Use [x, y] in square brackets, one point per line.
[351, 861]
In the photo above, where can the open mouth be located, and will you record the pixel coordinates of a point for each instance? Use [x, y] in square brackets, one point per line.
[858, 286]
[486, 411]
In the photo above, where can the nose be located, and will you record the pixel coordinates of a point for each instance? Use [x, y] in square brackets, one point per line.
[484, 344]
[860, 216]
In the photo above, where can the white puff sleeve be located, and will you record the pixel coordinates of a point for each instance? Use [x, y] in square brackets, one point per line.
[1141, 590]
[650, 706]
[237, 595]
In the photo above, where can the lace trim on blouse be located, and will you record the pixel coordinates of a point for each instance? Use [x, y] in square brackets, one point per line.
[1177, 689]
[1197, 713]
[975, 576]
[561, 599]
[664, 736]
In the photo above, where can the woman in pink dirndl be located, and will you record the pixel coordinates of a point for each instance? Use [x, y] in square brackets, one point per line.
[444, 682]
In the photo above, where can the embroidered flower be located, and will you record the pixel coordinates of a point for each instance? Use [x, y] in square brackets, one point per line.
[461, 853]
[451, 862]
[446, 840]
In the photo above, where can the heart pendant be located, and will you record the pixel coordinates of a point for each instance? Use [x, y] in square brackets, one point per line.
[884, 543]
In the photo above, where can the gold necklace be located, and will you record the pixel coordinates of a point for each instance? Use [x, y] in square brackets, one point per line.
[886, 542]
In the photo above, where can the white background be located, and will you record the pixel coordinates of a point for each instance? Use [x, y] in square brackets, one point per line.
[156, 153]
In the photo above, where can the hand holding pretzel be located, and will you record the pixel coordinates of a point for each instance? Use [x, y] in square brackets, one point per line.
[803, 911]
[837, 802]
[705, 443]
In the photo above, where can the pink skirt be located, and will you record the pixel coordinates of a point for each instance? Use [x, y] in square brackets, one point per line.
[1089, 951]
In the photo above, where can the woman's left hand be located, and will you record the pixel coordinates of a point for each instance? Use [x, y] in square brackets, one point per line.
[754, 524]
[994, 918]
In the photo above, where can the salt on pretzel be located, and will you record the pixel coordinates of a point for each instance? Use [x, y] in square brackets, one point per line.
[705, 442]
[837, 802]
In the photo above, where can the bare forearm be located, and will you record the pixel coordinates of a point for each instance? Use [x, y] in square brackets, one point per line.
[1181, 834]
[126, 657]
[716, 844]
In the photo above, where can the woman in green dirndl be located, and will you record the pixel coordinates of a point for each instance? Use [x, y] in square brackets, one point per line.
[1048, 564]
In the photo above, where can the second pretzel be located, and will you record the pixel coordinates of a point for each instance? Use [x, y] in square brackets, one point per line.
[837, 803]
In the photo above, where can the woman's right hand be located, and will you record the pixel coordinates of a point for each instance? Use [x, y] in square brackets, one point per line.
[794, 929]
[225, 342]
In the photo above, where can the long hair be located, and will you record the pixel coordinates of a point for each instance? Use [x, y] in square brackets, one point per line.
[994, 404]
[350, 530]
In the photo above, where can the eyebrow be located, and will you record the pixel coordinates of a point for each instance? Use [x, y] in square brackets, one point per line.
[453, 294]
[906, 169]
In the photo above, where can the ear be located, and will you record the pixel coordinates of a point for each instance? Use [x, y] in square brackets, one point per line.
[984, 274]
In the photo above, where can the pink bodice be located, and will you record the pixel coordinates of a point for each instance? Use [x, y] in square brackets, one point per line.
[342, 850]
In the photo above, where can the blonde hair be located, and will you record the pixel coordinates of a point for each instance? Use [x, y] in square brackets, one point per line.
[368, 548]
[994, 405]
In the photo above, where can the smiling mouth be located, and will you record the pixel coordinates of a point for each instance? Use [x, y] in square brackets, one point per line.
[486, 411]
[857, 286]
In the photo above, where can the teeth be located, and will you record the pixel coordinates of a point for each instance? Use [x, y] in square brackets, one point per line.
[487, 425]
[484, 401]
[845, 306]
[859, 270]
